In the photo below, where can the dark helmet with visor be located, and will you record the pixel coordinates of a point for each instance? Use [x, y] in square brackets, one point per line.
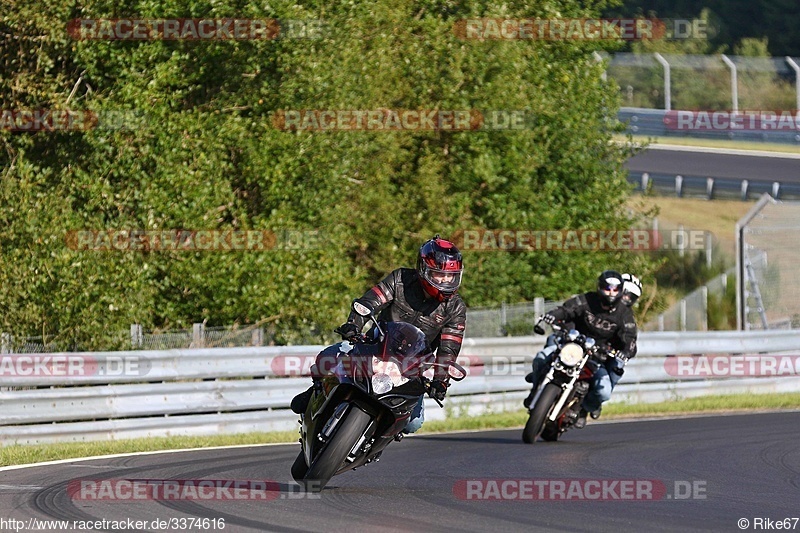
[440, 266]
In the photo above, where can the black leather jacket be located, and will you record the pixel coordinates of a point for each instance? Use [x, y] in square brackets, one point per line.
[401, 298]
[614, 325]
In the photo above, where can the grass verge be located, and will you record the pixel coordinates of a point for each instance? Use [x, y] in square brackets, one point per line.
[16, 455]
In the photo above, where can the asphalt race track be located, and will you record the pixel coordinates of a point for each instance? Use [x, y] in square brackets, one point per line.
[784, 168]
[701, 474]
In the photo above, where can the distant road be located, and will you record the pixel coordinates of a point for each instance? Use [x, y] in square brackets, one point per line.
[716, 163]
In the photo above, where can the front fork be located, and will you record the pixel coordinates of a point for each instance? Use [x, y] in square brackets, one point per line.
[566, 387]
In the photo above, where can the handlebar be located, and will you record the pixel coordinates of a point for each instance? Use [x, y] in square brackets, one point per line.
[539, 330]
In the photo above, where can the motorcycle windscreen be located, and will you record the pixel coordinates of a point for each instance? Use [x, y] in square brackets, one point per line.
[407, 347]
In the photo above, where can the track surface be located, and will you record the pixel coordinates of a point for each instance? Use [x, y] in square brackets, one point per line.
[747, 466]
[749, 167]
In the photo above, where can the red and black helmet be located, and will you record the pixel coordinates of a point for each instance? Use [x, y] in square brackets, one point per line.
[439, 266]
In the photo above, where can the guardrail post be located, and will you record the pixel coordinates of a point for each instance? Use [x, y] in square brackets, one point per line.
[679, 185]
[776, 188]
[710, 188]
[645, 181]
[745, 185]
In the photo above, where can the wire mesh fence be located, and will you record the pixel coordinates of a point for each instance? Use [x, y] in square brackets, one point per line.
[769, 267]
[686, 81]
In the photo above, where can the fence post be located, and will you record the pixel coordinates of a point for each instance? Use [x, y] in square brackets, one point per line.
[704, 294]
[682, 236]
[661, 322]
[796, 69]
[198, 335]
[538, 306]
[5, 343]
[682, 319]
[734, 83]
[137, 338]
[258, 337]
[667, 83]
[709, 249]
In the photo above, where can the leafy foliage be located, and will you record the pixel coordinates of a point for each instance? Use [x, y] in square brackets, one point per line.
[194, 146]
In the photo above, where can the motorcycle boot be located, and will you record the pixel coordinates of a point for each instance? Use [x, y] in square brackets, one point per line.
[527, 401]
[580, 423]
[300, 402]
[596, 413]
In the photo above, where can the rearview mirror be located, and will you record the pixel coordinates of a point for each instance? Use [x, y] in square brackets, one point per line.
[361, 309]
[456, 372]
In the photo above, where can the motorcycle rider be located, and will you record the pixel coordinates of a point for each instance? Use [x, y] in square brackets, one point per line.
[425, 297]
[598, 315]
[631, 289]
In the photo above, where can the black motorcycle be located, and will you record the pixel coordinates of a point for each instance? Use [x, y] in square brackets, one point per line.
[363, 399]
[557, 399]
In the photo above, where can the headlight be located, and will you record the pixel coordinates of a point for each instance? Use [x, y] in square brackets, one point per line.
[381, 383]
[386, 374]
[571, 354]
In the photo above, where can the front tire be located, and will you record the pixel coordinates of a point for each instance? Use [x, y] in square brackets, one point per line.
[539, 413]
[299, 467]
[328, 461]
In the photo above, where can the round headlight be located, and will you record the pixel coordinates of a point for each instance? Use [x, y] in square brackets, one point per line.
[571, 354]
[381, 383]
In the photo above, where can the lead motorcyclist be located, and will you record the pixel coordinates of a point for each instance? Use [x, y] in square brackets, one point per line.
[426, 298]
[596, 314]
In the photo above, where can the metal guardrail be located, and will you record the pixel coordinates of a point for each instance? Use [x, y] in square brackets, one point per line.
[643, 121]
[115, 395]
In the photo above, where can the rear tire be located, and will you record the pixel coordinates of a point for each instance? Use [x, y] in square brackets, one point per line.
[539, 413]
[328, 461]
